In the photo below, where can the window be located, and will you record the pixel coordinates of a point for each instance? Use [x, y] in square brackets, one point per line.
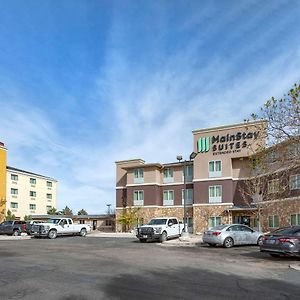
[272, 157]
[214, 168]
[49, 184]
[189, 196]
[215, 194]
[188, 174]
[295, 182]
[273, 221]
[32, 194]
[48, 207]
[32, 180]
[138, 175]
[14, 177]
[168, 198]
[168, 175]
[214, 221]
[108, 222]
[295, 219]
[14, 191]
[32, 206]
[49, 196]
[273, 186]
[138, 198]
[13, 205]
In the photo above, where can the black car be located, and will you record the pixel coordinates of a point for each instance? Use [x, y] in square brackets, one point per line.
[13, 227]
[282, 242]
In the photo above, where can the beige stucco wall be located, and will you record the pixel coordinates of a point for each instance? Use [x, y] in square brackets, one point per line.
[23, 197]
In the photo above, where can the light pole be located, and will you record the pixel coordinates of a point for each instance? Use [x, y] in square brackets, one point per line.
[179, 158]
[108, 208]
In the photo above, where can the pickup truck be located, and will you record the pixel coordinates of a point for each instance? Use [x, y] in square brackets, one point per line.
[59, 226]
[160, 229]
[13, 227]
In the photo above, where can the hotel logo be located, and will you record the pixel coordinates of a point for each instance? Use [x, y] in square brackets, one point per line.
[203, 144]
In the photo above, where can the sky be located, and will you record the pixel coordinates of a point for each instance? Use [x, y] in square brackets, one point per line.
[85, 83]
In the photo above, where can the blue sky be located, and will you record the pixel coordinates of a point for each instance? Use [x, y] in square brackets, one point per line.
[85, 83]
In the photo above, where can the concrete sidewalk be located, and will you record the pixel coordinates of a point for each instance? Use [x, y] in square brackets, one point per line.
[13, 238]
[111, 234]
[191, 240]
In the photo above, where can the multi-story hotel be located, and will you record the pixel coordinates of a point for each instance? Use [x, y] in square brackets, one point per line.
[25, 193]
[214, 182]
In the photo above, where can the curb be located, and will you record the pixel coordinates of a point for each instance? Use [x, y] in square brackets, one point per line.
[13, 238]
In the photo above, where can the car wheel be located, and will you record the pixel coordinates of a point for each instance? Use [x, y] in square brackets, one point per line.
[274, 255]
[259, 240]
[163, 237]
[143, 240]
[228, 242]
[83, 232]
[16, 233]
[52, 234]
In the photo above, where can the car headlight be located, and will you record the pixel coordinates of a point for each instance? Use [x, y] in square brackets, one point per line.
[46, 227]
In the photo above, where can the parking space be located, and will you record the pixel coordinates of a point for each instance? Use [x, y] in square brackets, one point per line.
[123, 268]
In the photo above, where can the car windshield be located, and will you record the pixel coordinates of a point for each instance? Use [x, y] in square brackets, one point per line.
[54, 221]
[284, 231]
[158, 222]
[7, 223]
[220, 227]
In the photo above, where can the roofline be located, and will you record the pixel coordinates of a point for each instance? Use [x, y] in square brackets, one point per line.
[15, 170]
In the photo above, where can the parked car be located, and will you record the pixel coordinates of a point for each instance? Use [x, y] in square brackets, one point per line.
[232, 234]
[13, 227]
[283, 241]
[59, 226]
[160, 229]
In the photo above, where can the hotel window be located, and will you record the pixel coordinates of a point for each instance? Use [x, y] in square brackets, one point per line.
[168, 198]
[273, 186]
[48, 207]
[168, 175]
[32, 194]
[14, 191]
[188, 173]
[138, 175]
[272, 157]
[273, 221]
[49, 184]
[214, 169]
[32, 181]
[49, 196]
[215, 194]
[32, 206]
[214, 221]
[138, 198]
[295, 219]
[14, 177]
[295, 182]
[189, 196]
[13, 205]
[108, 222]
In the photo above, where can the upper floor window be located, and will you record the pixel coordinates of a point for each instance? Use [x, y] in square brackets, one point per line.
[138, 175]
[14, 205]
[32, 206]
[215, 194]
[295, 182]
[138, 198]
[295, 219]
[49, 184]
[168, 198]
[273, 221]
[32, 180]
[273, 186]
[214, 168]
[49, 196]
[188, 173]
[14, 177]
[32, 194]
[272, 157]
[14, 191]
[188, 196]
[168, 175]
[48, 207]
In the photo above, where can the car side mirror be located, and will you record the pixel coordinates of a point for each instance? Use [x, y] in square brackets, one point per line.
[170, 224]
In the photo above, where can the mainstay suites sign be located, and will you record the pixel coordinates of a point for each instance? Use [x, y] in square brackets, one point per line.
[225, 144]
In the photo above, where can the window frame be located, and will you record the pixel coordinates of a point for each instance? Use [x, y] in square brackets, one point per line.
[14, 191]
[138, 175]
[32, 206]
[189, 200]
[14, 205]
[14, 177]
[140, 200]
[272, 221]
[212, 220]
[168, 175]
[215, 198]
[272, 187]
[214, 172]
[297, 219]
[170, 200]
[297, 182]
[32, 180]
[32, 194]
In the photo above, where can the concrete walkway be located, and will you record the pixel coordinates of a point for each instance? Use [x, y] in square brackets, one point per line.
[23, 236]
[191, 240]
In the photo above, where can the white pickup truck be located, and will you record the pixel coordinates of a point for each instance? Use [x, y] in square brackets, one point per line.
[59, 226]
[160, 229]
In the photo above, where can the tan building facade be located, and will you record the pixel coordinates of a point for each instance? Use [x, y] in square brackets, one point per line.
[213, 182]
[29, 193]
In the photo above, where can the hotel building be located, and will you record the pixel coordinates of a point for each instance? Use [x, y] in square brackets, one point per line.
[25, 193]
[213, 185]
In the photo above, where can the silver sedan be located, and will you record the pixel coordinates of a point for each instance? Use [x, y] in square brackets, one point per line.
[232, 234]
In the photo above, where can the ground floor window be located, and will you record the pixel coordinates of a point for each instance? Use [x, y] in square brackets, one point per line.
[214, 221]
[108, 222]
[273, 221]
[295, 219]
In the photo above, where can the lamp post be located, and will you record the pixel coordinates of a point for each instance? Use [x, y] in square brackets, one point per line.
[108, 209]
[179, 158]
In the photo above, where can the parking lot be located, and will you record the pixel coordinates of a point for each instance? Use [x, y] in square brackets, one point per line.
[123, 268]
